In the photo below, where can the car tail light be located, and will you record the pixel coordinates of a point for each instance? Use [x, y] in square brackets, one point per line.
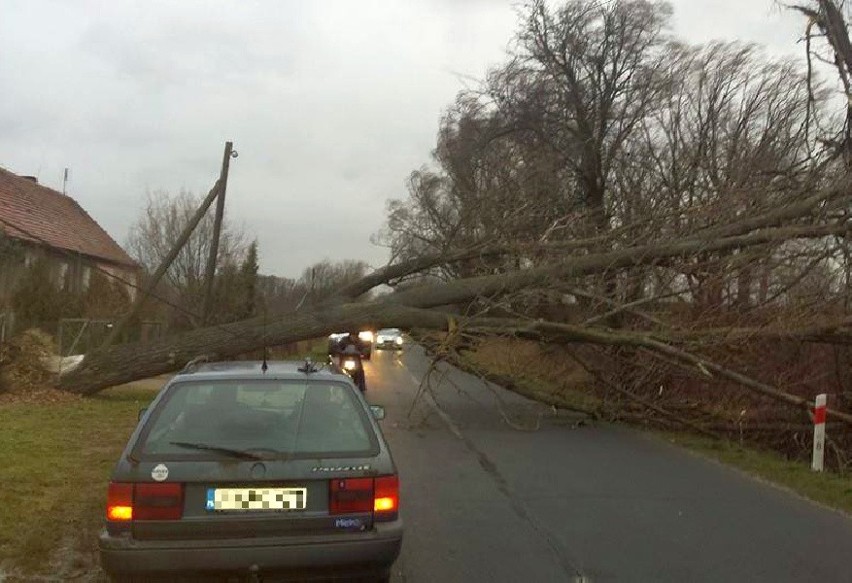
[120, 502]
[157, 501]
[379, 496]
[386, 498]
[144, 501]
[350, 496]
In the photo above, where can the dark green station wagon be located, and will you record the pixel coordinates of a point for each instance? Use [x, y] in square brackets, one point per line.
[254, 473]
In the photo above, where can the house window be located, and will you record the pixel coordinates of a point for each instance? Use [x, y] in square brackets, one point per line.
[62, 273]
[85, 278]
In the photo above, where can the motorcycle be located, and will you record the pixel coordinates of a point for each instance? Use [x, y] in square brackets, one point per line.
[352, 365]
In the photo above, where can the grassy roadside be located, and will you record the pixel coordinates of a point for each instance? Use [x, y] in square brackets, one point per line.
[55, 459]
[827, 488]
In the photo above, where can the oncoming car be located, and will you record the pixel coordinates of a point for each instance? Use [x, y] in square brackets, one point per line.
[389, 338]
[367, 337]
[237, 472]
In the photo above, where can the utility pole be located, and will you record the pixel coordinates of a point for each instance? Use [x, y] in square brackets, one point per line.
[166, 263]
[210, 271]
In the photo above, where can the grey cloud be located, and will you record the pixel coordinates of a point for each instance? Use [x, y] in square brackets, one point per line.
[330, 104]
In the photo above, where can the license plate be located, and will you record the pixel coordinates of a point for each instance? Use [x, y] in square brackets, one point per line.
[256, 499]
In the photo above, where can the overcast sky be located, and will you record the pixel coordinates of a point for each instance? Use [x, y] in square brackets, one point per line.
[330, 104]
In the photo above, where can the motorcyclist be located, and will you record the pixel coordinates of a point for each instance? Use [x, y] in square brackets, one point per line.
[350, 347]
[350, 340]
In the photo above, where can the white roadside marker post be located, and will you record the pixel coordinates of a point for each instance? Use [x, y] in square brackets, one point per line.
[819, 433]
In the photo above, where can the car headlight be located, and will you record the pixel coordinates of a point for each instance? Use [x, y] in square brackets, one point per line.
[366, 336]
[398, 340]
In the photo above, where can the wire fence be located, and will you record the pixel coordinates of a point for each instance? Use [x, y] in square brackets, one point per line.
[80, 335]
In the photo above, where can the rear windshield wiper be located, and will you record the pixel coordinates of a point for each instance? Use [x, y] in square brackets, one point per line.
[239, 453]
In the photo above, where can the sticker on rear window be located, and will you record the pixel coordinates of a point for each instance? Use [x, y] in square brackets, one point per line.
[160, 472]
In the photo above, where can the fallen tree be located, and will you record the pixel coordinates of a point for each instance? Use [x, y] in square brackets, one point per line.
[251, 334]
[410, 309]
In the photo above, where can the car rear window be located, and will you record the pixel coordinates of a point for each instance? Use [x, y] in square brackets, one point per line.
[268, 417]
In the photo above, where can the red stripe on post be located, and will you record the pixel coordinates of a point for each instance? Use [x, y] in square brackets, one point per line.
[819, 415]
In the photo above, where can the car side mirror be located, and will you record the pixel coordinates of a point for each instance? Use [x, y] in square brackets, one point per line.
[378, 411]
[142, 412]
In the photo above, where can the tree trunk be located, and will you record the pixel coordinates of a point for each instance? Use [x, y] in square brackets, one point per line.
[128, 362]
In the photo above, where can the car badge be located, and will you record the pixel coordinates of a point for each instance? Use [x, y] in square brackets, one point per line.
[160, 472]
[359, 468]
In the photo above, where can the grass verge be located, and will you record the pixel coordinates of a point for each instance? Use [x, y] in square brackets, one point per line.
[55, 460]
[830, 489]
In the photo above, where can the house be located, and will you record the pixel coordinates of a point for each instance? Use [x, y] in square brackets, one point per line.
[47, 224]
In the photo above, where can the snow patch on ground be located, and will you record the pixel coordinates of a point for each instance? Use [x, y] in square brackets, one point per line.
[56, 363]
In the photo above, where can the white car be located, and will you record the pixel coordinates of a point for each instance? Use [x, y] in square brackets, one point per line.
[389, 338]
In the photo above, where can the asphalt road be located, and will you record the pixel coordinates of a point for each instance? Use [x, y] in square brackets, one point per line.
[497, 488]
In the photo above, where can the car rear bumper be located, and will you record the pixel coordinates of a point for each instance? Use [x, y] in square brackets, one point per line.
[361, 553]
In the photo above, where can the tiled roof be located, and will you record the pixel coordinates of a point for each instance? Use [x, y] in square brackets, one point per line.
[32, 212]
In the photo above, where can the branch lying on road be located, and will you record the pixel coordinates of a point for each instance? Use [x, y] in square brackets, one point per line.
[644, 402]
[565, 333]
[125, 363]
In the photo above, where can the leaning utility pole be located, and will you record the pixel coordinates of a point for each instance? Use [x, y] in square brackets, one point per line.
[210, 271]
[167, 262]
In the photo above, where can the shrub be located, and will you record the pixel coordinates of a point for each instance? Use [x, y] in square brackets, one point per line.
[22, 362]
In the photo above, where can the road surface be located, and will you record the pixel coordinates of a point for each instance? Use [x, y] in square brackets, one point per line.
[484, 500]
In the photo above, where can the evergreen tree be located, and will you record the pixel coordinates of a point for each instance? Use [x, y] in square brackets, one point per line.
[248, 283]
